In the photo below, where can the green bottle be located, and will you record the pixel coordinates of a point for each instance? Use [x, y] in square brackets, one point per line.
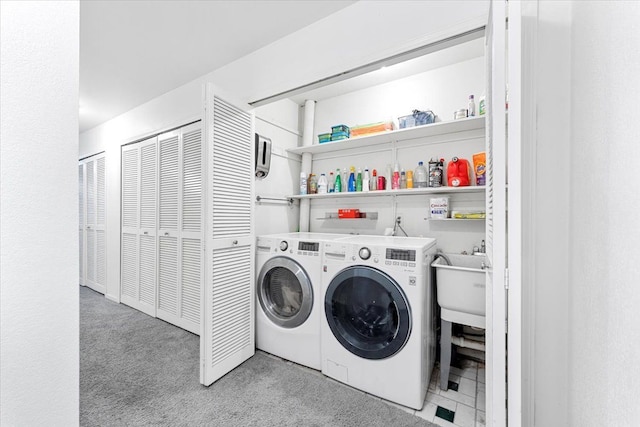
[359, 180]
[338, 185]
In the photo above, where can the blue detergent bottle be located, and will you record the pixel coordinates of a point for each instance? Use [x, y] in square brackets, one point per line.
[352, 179]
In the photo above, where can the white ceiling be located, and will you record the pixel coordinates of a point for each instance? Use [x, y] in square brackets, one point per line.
[134, 51]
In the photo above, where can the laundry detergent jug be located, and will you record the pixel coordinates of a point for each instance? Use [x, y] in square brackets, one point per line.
[458, 172]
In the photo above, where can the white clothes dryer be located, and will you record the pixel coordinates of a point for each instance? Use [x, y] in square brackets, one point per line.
[377, 332]
[288, 291]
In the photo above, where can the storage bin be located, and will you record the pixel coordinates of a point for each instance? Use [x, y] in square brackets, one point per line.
[324, 137]
[337, 136]
[417, 118]
[348, 213]
[340, 128]
[371, 128]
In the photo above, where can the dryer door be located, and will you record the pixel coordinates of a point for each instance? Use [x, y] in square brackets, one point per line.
[285, 292]
[368, 312]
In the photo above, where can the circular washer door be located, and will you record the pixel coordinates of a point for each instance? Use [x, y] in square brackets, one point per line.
[368, 312]
[285, 292]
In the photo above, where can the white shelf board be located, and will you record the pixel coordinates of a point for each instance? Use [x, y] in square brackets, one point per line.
[456, 219]
[425, 131]
[405, 192]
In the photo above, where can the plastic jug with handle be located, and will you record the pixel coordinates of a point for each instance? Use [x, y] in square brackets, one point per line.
[458, 172]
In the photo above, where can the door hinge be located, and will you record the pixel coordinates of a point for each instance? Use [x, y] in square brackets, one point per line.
[506, 278]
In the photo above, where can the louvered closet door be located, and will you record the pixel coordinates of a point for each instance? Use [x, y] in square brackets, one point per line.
[100, 281]
[191, 229]
[139, 235]
[81, 223]
[227, 330]
[129, 288]
[90, 177]
[180, 232]
[169, 160]
[496, 216]
[148, 233]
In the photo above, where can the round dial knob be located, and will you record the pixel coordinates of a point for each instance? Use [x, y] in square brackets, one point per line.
[283, 245]
[364, 253]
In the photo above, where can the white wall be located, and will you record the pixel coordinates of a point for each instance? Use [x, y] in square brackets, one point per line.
[278, 121]
[39, 213]
[604, 292]
[581, 349]
[551, 204]
[443, 90]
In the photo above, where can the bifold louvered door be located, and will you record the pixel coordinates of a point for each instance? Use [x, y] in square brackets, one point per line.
[91, 174]
[496, 358]
[81, 224]
[139, 226]
[180, 228]
[227, 330]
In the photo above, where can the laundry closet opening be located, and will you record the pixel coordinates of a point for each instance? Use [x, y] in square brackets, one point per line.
[383, 100]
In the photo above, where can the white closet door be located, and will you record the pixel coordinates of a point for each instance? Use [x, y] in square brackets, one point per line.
[91, 201]
[227, 326]
[147, 235]
[90, 219]
[100, 255]
[180, 233]
[139, 216]
[129, 293]
[496, 216]
[191, 229]
[81, 223]
[169, 208]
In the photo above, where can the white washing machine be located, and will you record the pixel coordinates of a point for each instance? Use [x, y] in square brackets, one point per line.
[288, 290]
[377, 332]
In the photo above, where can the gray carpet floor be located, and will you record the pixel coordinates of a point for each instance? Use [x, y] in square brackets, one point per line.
[139, 371]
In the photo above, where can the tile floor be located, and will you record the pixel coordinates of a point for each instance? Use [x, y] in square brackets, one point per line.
[464, 407]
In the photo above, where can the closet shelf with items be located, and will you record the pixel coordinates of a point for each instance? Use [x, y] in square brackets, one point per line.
[400, 192]
[408, 134]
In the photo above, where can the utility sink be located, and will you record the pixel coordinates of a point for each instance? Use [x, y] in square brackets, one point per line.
[461, 288]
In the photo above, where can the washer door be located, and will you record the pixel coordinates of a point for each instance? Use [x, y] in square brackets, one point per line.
[368, 312]
[285, 292]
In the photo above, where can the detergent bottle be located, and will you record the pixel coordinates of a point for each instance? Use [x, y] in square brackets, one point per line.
[458, 172]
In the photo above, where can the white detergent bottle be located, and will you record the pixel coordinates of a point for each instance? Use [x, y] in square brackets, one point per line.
[365, 180]
[322, 184]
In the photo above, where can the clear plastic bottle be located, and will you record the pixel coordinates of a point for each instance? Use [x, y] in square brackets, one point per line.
[303, 183]
[345, 179]
[472, 107]
[352, 179]
[403, 179]
[366, 180]
[338, 185]
[332, 182]
[420, 176]
[374, 180]
[323, 184]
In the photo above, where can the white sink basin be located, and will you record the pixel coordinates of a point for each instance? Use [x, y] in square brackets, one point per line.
[461, 289]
